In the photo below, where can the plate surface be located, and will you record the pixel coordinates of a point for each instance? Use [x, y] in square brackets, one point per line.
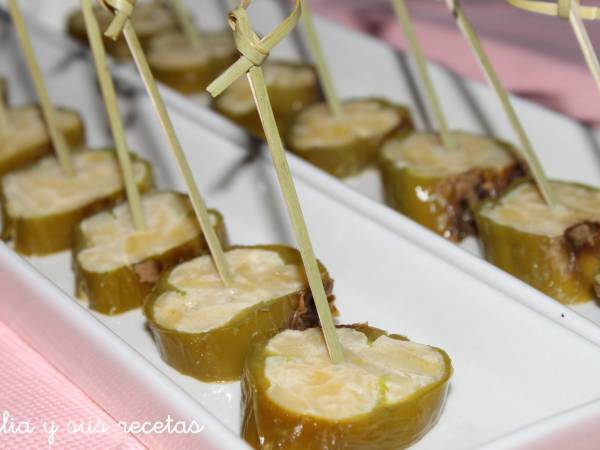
[507, 357]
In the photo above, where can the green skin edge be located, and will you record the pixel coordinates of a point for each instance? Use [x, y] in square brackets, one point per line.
[549, 264]
[342, 161]
[266, 425]
[117, 48]
[428, 200]
[218, 355]
[190, 78]
[54, 233]
[286, 104]
[75, 137]
[122, 289]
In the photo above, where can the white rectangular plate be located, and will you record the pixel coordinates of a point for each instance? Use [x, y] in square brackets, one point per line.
[513, 367]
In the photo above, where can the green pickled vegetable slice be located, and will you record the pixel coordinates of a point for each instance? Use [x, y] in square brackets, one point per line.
[41, 205]
[440, 188]
[28, 139]
[291, 86]
[204, 329]
[345, 145]
[149, 19]
[555, 250]
[117, 265]
[387, 394]
[188, 69]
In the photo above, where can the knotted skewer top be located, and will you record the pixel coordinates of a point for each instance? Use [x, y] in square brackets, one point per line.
[254, 50]
[561, 8]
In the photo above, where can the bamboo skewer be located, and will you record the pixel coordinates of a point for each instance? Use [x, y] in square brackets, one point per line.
[116, 122]
[186, 23]
[572, 11]
[123, 10]
[253, 53]
[531, 158]
[56, 137]
[417, 54]
[4, 120]
[323, 71]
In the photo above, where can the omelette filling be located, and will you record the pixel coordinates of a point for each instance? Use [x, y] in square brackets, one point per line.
[316, 128]
[524, 208]
[173, 50]
[383, 372]
[112, 240]
[238, 100]
[199, 302]
[424, 153]
[29, 129]
[43, 189]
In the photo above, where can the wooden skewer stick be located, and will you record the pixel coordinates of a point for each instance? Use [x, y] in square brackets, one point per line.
[417, 54]
[116, 122]
[333, 101]
[186, 23]
[584, 42]
[142, 65]
[4, 120]
[531, 158]
[254, 52]
[56, 137]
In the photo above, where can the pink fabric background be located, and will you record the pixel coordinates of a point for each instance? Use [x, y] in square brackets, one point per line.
[537, 57]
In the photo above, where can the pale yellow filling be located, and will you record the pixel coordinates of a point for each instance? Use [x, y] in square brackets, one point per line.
[112, 241]
[173, 49]
[43, 188]
[238, 97]
[317, 128]
[28, 129]
[304, 381]
[525, 209]
[202, 302]
[425, 153]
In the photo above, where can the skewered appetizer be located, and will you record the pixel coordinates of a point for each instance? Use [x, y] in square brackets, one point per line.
[188, 69]
[116, 265]
[387, 395]
[41, 205]
[28, 139]
[203, 328]
[291, 86]
[439, 188]
[149, 19]
[344, 146]
[555, 251]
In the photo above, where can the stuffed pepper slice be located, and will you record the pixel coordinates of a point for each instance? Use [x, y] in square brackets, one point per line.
[386, 395]
[204, 329]
[28, 139]
[41, 205]
[116, 265]
[187, 69]
[291, 86]
[439, 188]
[149, 19]
[555, 251]
[344, 146]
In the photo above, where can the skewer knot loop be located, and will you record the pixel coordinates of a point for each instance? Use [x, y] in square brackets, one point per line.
[123, 10]
[561, 8]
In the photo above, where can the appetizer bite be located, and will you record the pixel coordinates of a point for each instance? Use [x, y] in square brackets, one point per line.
[344, 145]
[188, 68]
[203, 328]
[27, 138]
[291, 86]
[149, 19]
[386, 395]
[554, 250]
[439, 187]
[41, 205]
[116, 265]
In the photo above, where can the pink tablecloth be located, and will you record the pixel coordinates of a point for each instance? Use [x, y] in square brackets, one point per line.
[537, 57]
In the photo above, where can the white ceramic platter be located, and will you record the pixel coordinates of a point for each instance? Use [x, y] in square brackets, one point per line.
[513, 366]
